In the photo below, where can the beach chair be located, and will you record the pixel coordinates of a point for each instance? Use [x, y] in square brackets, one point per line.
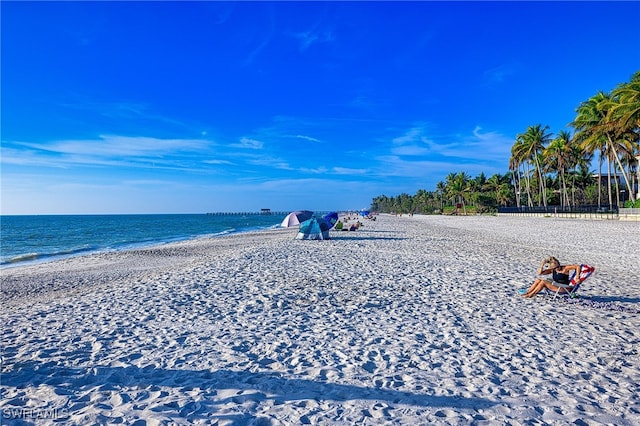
[570, 289]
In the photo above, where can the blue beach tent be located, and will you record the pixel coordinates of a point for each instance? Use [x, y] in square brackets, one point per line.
[331, 219]
[313, 229]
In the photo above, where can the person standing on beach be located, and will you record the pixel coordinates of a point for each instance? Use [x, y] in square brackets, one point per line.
[561, 275]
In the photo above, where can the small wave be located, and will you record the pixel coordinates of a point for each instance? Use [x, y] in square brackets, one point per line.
[21, 258]
[75, 250]
[224, 232]
[35, 257]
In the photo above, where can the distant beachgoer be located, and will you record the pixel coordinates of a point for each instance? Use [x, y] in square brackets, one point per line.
[560, 273]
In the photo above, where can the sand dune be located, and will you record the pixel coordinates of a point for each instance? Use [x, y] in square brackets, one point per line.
[409, 320]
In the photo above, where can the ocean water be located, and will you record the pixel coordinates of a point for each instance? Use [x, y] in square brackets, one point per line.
[29, 239]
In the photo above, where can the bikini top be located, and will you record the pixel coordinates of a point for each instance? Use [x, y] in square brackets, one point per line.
[560, 277]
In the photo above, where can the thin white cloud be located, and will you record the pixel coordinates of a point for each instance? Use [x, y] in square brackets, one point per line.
[220, 12]
[410, 136]
[396, 166]
[349, 171]
[476, 146]
[361, 101]
[313, 36]
[123, 111]
[302, 184]
[314, 171]
[416, 134]
[248, 143]
[498, 74]
[414, 142]
[148, 182]
[27, 157]
[120, 146]
[412, 150]
[108, 151]
[306, 138]
[280, 164]
[218, 162]
[266, 161]
[492, 146]
[264, 41]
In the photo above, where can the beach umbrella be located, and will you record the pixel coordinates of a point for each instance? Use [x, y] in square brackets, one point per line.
[331, 218]
[313, 229]
[364, 213]
[296, 218]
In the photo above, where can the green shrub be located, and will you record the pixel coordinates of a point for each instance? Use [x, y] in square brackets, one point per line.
[631, 205]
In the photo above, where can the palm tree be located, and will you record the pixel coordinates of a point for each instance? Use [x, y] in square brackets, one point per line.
[514, 168]
[456, 184]
[558, 153]
[521, 168]
[599, 129]
[503, 194]
[627, 110]
[530, 145]
[480, 181]
[440, 190]
[405, 203]
[589, 118]
[448, 184]
[420, 201]
[579, 161]
[625, 113]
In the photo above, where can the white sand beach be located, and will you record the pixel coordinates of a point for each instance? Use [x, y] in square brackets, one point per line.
[407, 321]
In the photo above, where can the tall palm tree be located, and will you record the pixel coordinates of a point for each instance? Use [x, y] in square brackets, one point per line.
[531, 144]
[625, 114]
[589, 118]
[597, 129]
[521, 168]
[558, 153]
[627, 151]
[514, 168]
[627, 110]
[579, 161]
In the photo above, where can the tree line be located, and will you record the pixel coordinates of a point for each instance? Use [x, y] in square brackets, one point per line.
[552, 170]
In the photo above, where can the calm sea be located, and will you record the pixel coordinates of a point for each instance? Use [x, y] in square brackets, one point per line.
[28, 239]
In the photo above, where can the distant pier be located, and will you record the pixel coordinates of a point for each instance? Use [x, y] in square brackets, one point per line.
[262, 212]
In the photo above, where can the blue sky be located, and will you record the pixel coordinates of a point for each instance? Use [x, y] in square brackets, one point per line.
[174, 107]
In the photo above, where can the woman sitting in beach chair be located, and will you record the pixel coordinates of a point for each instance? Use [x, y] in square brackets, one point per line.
[565, 277]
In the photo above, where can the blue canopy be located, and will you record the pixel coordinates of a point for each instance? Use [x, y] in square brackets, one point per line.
[313, 229]
[331, 218]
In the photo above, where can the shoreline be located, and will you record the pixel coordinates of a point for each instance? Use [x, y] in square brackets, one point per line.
[114, 264]
[407, 320]
[42, 258]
